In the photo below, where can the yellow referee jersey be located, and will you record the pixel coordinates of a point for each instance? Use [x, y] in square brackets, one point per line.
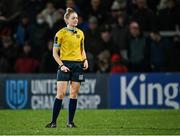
[71, 44]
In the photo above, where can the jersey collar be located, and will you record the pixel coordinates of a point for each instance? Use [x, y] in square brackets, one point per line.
[71, 30]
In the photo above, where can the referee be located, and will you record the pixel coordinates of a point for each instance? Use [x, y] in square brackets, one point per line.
[69, 53]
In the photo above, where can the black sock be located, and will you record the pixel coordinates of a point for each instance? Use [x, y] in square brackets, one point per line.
[72, 109]
[56, 109]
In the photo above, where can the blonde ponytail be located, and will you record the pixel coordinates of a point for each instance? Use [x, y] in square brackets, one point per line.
[68, 12]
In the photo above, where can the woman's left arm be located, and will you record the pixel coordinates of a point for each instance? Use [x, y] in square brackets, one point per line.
[85, 61]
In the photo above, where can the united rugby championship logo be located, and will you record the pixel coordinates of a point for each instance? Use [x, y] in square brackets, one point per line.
[16, 93]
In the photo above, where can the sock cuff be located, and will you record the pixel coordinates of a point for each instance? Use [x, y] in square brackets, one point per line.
[58, 100]
[73, 100]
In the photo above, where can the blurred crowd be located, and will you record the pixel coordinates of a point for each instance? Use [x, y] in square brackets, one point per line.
[120, 35]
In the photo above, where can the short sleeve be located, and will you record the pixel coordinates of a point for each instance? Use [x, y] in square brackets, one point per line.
[82, 41]
[57, 40]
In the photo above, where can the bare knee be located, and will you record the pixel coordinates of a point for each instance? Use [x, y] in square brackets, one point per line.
[61, 89]
[73, 94]
[60, 95]
[75, 86]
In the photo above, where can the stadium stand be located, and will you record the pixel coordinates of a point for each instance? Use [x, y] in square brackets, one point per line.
[155, 46]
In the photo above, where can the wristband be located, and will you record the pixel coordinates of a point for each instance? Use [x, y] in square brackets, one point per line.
[61, 66]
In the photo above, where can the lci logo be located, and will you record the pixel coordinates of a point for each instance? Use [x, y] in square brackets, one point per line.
[16, 93]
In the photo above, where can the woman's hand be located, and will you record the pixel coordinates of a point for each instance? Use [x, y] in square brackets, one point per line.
[64, 69]
[85, 65]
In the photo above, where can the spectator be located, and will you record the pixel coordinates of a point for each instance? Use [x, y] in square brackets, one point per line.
[23, 31]
[117, 65]
[137, 50]
[3, 22]
[120, 34]
[2, 10]
[82, 24]
[91, 61]
[158, 51]
[59, 21]
[173, 55]
[103, 61]
[9, 51]
[5, 66]
[49, 14]
[153, 4]
[114, 13]
[144, 16]
[130, 6]
[106, 41]
[39, 35]
[26, 63]
[168, 17]
[96, 10]
[48, 64]
[162, 4]
[9, 8]
[92, 40]
[5, 29]
[72, 4]
[32, 7]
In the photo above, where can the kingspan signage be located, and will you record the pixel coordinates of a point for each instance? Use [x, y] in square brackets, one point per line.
[149, 91]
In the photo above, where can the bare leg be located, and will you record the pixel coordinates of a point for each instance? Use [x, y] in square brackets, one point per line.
[74, 89]
[61, 91]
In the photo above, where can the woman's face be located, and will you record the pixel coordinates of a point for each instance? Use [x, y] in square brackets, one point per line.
[72, 20]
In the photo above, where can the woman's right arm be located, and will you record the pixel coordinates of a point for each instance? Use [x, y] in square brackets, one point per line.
[56, 56]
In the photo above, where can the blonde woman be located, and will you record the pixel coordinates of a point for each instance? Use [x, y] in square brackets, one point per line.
[69, 53]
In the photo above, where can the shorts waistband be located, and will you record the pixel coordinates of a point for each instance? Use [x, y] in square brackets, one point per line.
[71, 61]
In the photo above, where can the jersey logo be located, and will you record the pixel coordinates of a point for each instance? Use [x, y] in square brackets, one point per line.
[77, 36]
[81, 77]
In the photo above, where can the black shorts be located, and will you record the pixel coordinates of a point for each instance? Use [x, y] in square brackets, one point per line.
[75, 73]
